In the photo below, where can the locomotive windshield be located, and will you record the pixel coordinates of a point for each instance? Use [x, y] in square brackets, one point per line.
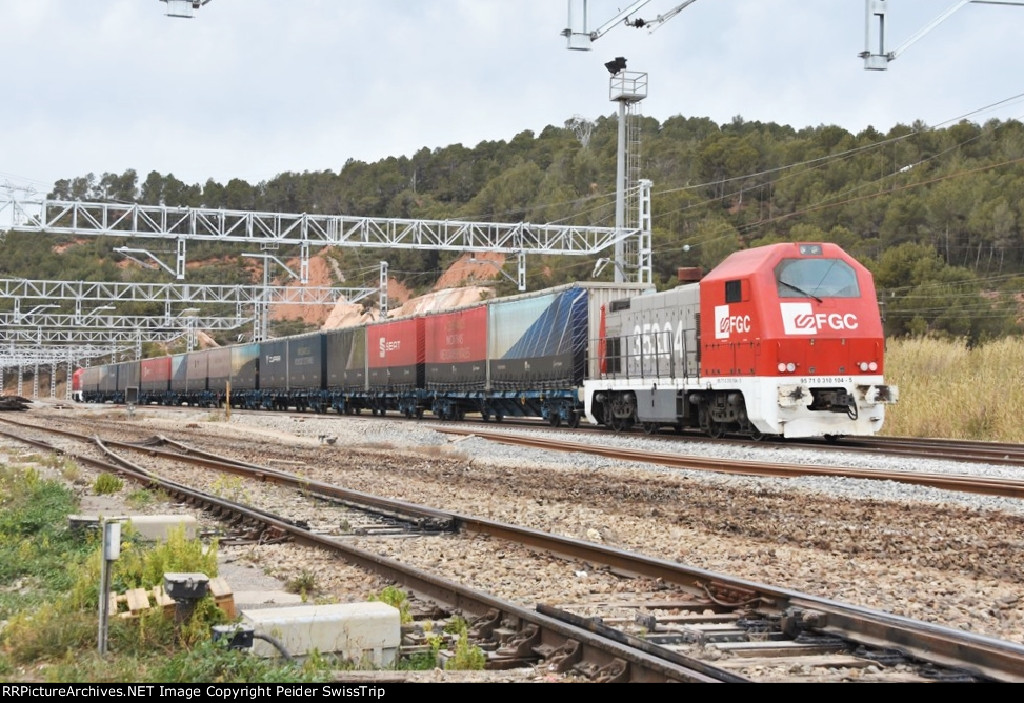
[816, 278]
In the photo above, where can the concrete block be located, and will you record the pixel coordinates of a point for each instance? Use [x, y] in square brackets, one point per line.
[152, 528]
[360, 632]
[155, 528]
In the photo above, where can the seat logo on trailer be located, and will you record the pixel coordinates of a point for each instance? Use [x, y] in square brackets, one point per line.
[386, 345]
[798, 318]
[726, 324]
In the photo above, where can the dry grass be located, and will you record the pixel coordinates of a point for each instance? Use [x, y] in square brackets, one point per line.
[948, 390]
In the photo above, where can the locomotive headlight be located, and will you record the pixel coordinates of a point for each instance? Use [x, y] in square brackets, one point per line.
[782, 367]
[791, 367]
[863, 366]
[873, 366]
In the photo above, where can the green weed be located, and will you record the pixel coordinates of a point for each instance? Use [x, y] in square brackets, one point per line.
[304, 584]
[467, 657]
[396, 598]
[107, 484]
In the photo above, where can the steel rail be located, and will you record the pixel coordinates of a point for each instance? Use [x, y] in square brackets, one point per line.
[1009, 488]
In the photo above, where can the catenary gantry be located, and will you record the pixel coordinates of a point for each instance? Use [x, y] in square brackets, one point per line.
[270, 230]
[88, 332]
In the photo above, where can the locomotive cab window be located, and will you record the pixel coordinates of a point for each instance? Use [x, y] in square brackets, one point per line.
[816, 278]
[734, 291]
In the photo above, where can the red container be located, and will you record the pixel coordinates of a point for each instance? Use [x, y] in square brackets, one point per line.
[455, 349]
[156, 374]
[395, 354]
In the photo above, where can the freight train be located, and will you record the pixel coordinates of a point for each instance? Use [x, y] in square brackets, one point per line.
[780, 340]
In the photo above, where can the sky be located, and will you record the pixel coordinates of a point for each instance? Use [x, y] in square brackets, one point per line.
[252, 89]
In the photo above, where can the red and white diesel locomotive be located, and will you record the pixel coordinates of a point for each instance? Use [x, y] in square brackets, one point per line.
[783, 340]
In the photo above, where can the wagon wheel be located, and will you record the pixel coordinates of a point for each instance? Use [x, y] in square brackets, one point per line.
[716, 430]
[650, 428]
[554, 419]
[574, 419]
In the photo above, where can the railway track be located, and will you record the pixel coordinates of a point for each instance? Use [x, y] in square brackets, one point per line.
[970, 451]
[1009, 488]
[994, 453]
[690, 612]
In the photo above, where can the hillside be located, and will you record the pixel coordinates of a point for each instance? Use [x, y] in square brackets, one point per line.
[933, 212]
[462, 283]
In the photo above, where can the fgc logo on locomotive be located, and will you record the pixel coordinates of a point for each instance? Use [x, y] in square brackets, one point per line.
[797, 318]
[726, 324]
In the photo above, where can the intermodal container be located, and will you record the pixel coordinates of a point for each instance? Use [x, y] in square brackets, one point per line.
[218, 369]
[306, 362]
[179, 373]
[245, 367]
[455, 348]
[274, 365]
[91, 379]
[345, 358]
[197, 368]
[395, 355]
[108, 379]
[127, 375]
[544, 339]
[156, 374]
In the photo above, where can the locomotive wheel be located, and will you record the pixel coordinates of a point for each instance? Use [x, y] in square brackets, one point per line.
[574, 419]
[756, 434]
[650, 428]
[419, 413]
[716, 430]
[554, 419]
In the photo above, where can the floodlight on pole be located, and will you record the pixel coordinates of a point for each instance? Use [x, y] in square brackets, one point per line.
[183, 8]
[616, 65]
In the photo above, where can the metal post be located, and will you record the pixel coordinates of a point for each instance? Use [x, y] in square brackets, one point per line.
[620, 193]
[110, 551]
[383, 290]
